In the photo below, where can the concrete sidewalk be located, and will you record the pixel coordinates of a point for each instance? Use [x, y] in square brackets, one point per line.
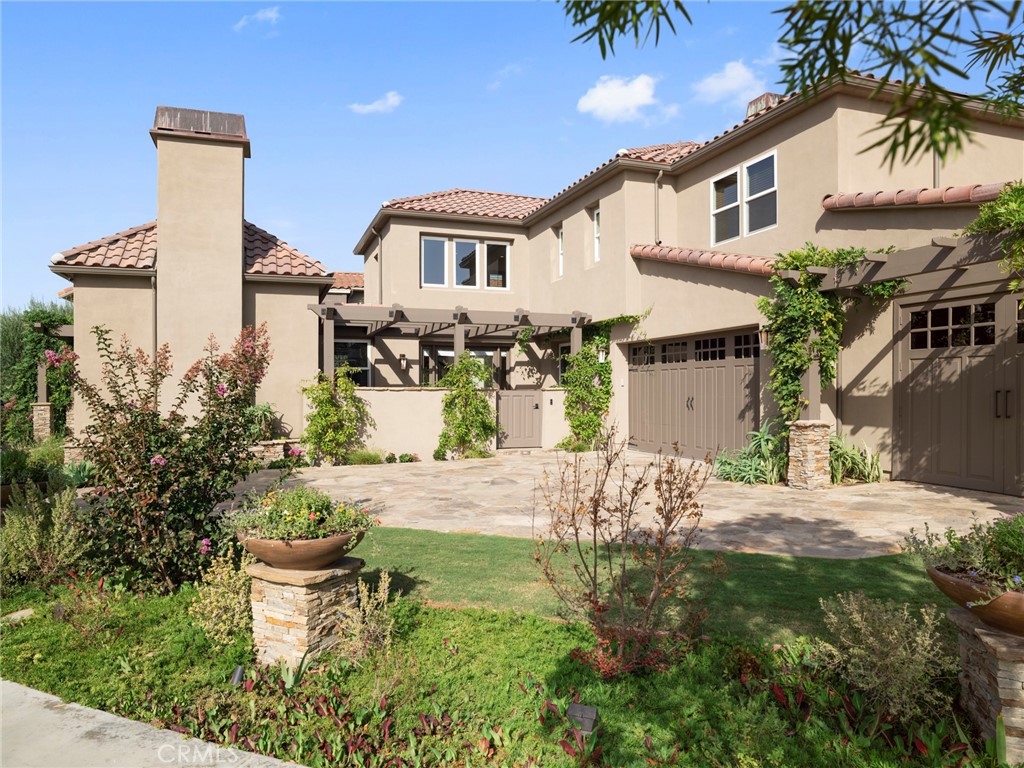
[41, 731]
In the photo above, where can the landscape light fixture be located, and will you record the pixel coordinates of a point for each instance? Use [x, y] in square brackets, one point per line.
[236, 678]
[585, 718]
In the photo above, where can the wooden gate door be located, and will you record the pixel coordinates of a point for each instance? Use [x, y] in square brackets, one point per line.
[519, 418]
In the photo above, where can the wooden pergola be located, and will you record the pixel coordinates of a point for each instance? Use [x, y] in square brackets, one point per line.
[458, 323]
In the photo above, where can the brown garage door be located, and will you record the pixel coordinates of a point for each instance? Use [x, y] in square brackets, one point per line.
[961, 373]
[700, 392]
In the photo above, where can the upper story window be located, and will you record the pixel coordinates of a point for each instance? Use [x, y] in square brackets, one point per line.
[434, 261]
[597, 235]
[744, 200]
[561, 251]
[467, 264]
[460, 263]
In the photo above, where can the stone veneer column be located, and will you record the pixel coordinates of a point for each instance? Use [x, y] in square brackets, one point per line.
[297, 611]
[992, 679]
[42, 421]
[808, 455]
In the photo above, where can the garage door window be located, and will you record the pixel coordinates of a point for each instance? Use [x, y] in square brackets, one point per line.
[674, 352]
[712, 348]
[641, 354]
[746, 345]
[963, 325]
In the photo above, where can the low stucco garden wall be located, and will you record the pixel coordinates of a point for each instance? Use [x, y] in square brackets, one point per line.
[408, 419]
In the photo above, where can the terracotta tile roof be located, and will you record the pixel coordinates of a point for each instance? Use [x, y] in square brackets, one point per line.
[965, 194]
[348, 280]
[735, 262]
[469, 202]
[659, 153]
[65, 293]
[133, 248]
[267, 254]
[136, 248]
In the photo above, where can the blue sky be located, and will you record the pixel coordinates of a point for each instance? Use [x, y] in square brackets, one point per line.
[346, 105]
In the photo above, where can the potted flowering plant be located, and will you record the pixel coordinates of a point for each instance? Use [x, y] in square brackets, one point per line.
[300, 528]
[982, 570]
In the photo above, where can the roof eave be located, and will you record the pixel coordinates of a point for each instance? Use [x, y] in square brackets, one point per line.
[309, 279]
[217, 138]
[387, 213]
[583, 185]
[68, 271]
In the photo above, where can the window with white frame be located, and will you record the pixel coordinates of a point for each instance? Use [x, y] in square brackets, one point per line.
[434, 261]
[497, 265]
[467, 264]
[744, 200]
[357, 355]
[760, 196]
[561, 251]
[463, 263]
[597, 235]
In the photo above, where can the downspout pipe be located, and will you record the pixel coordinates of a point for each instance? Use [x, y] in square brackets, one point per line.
[657, 217]
[152, 282]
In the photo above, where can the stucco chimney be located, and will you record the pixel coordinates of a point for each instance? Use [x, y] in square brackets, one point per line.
[200, 208]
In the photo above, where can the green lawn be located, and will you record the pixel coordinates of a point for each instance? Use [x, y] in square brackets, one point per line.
[763, 597]
[464, 665]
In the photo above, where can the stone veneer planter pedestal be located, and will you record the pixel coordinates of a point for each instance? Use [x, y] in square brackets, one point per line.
[297, 611]
[808, 455]
[992, 679]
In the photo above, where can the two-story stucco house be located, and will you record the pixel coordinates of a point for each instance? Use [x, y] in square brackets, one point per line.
[689, 232]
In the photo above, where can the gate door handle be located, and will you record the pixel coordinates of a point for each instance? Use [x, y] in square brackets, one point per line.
[536, 406]
[997, 403]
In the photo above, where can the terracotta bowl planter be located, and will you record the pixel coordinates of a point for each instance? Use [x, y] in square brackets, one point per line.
[1006, 612]
[302, 554]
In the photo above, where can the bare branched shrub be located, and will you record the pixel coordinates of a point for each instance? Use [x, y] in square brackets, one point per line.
[897, 660]
[617, 551]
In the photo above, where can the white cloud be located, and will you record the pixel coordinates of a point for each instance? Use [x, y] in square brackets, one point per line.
[387, 103]
[263, 16]
[735, 83]
[504, 74]
[775, 54]
[620, 100]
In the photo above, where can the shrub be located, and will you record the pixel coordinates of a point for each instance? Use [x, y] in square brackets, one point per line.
[368, 627]
[80, 474]
[37, 462]
[764, 460]
[262, 418]
[40, 538]
[223, 604]
[899, 662]
[391, 459]
[364, 456]
[475, 452]
[407, 458]
[299, 513]
[630, 582]
[13, 465]
[160, 476]
[339, 419]
[469, 418]
[846, 462]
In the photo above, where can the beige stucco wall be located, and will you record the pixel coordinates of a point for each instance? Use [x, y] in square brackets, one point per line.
[124, 305]
[200, 264]
[292, 330]
[401, 266]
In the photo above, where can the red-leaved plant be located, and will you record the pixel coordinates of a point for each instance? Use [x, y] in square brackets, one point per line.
[617, 552]
[162, 465]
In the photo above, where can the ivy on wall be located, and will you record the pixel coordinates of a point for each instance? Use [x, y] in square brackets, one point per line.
[469, 418]
[588, 383]
[803, 321]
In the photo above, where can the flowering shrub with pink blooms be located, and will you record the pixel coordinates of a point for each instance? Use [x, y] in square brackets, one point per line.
[165, 459]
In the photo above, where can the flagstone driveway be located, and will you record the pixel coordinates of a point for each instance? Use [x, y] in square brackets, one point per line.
[497, 496]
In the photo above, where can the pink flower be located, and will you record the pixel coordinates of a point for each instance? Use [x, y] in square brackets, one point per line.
[205, 547]
[158, 461]
[295, 451]
[222, 390]
[312, 516]
[52, 358]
